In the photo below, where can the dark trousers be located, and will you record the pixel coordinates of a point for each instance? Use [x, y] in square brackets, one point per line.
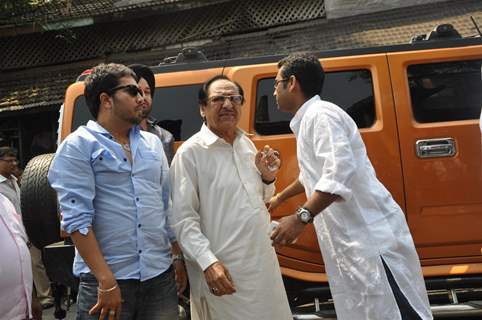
[406, 310]
[153, 299]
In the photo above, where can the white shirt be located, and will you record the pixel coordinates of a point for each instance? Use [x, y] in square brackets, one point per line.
[219, 213]
[15, 265]
[480, 122]
[9, 188]
[355, 232]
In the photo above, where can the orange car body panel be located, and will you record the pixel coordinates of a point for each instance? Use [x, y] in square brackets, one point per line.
[445, 221]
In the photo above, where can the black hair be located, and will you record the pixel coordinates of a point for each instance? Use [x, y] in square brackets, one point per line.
[307, 70]
[8, 151]
[143, 71]
[203, 91]
[103, 78]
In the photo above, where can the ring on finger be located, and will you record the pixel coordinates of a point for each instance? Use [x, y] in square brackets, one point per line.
[111, 312]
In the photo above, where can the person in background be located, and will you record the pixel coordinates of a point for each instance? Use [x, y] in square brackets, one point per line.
[148, 86]
[17, 298]
[370, 259]
[9, 188]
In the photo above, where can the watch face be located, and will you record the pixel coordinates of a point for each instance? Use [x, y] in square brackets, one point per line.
[305, 216]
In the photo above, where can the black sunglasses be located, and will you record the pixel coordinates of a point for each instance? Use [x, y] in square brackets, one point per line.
[131, 89]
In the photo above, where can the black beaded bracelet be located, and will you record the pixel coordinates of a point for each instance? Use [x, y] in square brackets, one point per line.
[268, 182]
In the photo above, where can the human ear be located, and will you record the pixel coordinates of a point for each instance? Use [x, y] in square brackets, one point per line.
[105, 101]
[292, 83]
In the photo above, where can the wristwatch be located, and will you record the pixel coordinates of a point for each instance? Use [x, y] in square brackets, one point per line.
[177, 257]
[304, 215]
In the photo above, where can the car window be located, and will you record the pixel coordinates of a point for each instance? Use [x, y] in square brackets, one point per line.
[351, 90]
[446, 91]
[175, 109]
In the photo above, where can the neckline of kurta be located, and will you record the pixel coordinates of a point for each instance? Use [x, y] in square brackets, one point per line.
[295, 122]
[209, 137]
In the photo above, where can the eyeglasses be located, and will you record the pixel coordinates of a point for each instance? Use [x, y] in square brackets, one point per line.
[219, 100]
[276, 82]
[9, 160]
[131, 89]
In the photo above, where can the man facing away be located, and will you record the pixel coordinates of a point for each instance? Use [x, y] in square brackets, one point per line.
[370, 258]
[113, 189]
[10, 189]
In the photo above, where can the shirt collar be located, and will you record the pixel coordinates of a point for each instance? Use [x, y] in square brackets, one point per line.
[151, 121]
[209, 137]
[3, 178]
[295, 122]
[96, 127]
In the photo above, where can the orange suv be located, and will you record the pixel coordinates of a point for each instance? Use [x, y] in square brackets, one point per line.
[417, 107]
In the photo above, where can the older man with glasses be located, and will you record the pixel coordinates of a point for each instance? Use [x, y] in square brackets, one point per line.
[220, 186]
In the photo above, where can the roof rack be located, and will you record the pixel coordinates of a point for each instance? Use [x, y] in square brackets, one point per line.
[440, 32]
[186, 55]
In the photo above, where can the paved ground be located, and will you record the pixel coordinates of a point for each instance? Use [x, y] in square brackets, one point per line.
[49, 315]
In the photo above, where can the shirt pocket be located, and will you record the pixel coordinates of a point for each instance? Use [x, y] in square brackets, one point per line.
[251, 178]
[107, 167]
[150, 166]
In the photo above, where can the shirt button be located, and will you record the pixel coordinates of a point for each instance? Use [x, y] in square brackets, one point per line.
[73, 201]
[139, 225]
[140, 251]
[100, 158]
[125, 159]
[137, 199]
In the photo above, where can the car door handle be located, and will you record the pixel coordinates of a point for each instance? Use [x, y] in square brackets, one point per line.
[434, 148]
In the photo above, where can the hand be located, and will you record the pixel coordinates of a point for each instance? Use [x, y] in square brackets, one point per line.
[274, 202]
[36, 308]
[219, 280]
[288, 230]
[181, 277]
[108, 303]
[179, 267]
[268, 163]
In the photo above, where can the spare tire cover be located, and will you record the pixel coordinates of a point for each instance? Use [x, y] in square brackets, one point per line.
[39, 203]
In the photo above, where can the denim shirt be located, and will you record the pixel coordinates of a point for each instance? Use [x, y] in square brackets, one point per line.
[126, 204]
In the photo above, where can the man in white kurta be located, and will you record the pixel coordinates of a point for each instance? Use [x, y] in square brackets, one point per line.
[362, 232]
[219, 215]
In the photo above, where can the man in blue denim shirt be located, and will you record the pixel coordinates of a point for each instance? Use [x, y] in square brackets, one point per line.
[113, 187]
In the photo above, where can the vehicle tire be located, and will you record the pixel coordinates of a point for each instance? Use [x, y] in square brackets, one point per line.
[39, 203]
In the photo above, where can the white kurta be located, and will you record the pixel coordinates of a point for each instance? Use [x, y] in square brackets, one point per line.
[219, 213]
[366, 225]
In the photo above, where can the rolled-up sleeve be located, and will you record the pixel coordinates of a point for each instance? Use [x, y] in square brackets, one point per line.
[268, 191]
[72, 177]
[184, 216]
[334, 155]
